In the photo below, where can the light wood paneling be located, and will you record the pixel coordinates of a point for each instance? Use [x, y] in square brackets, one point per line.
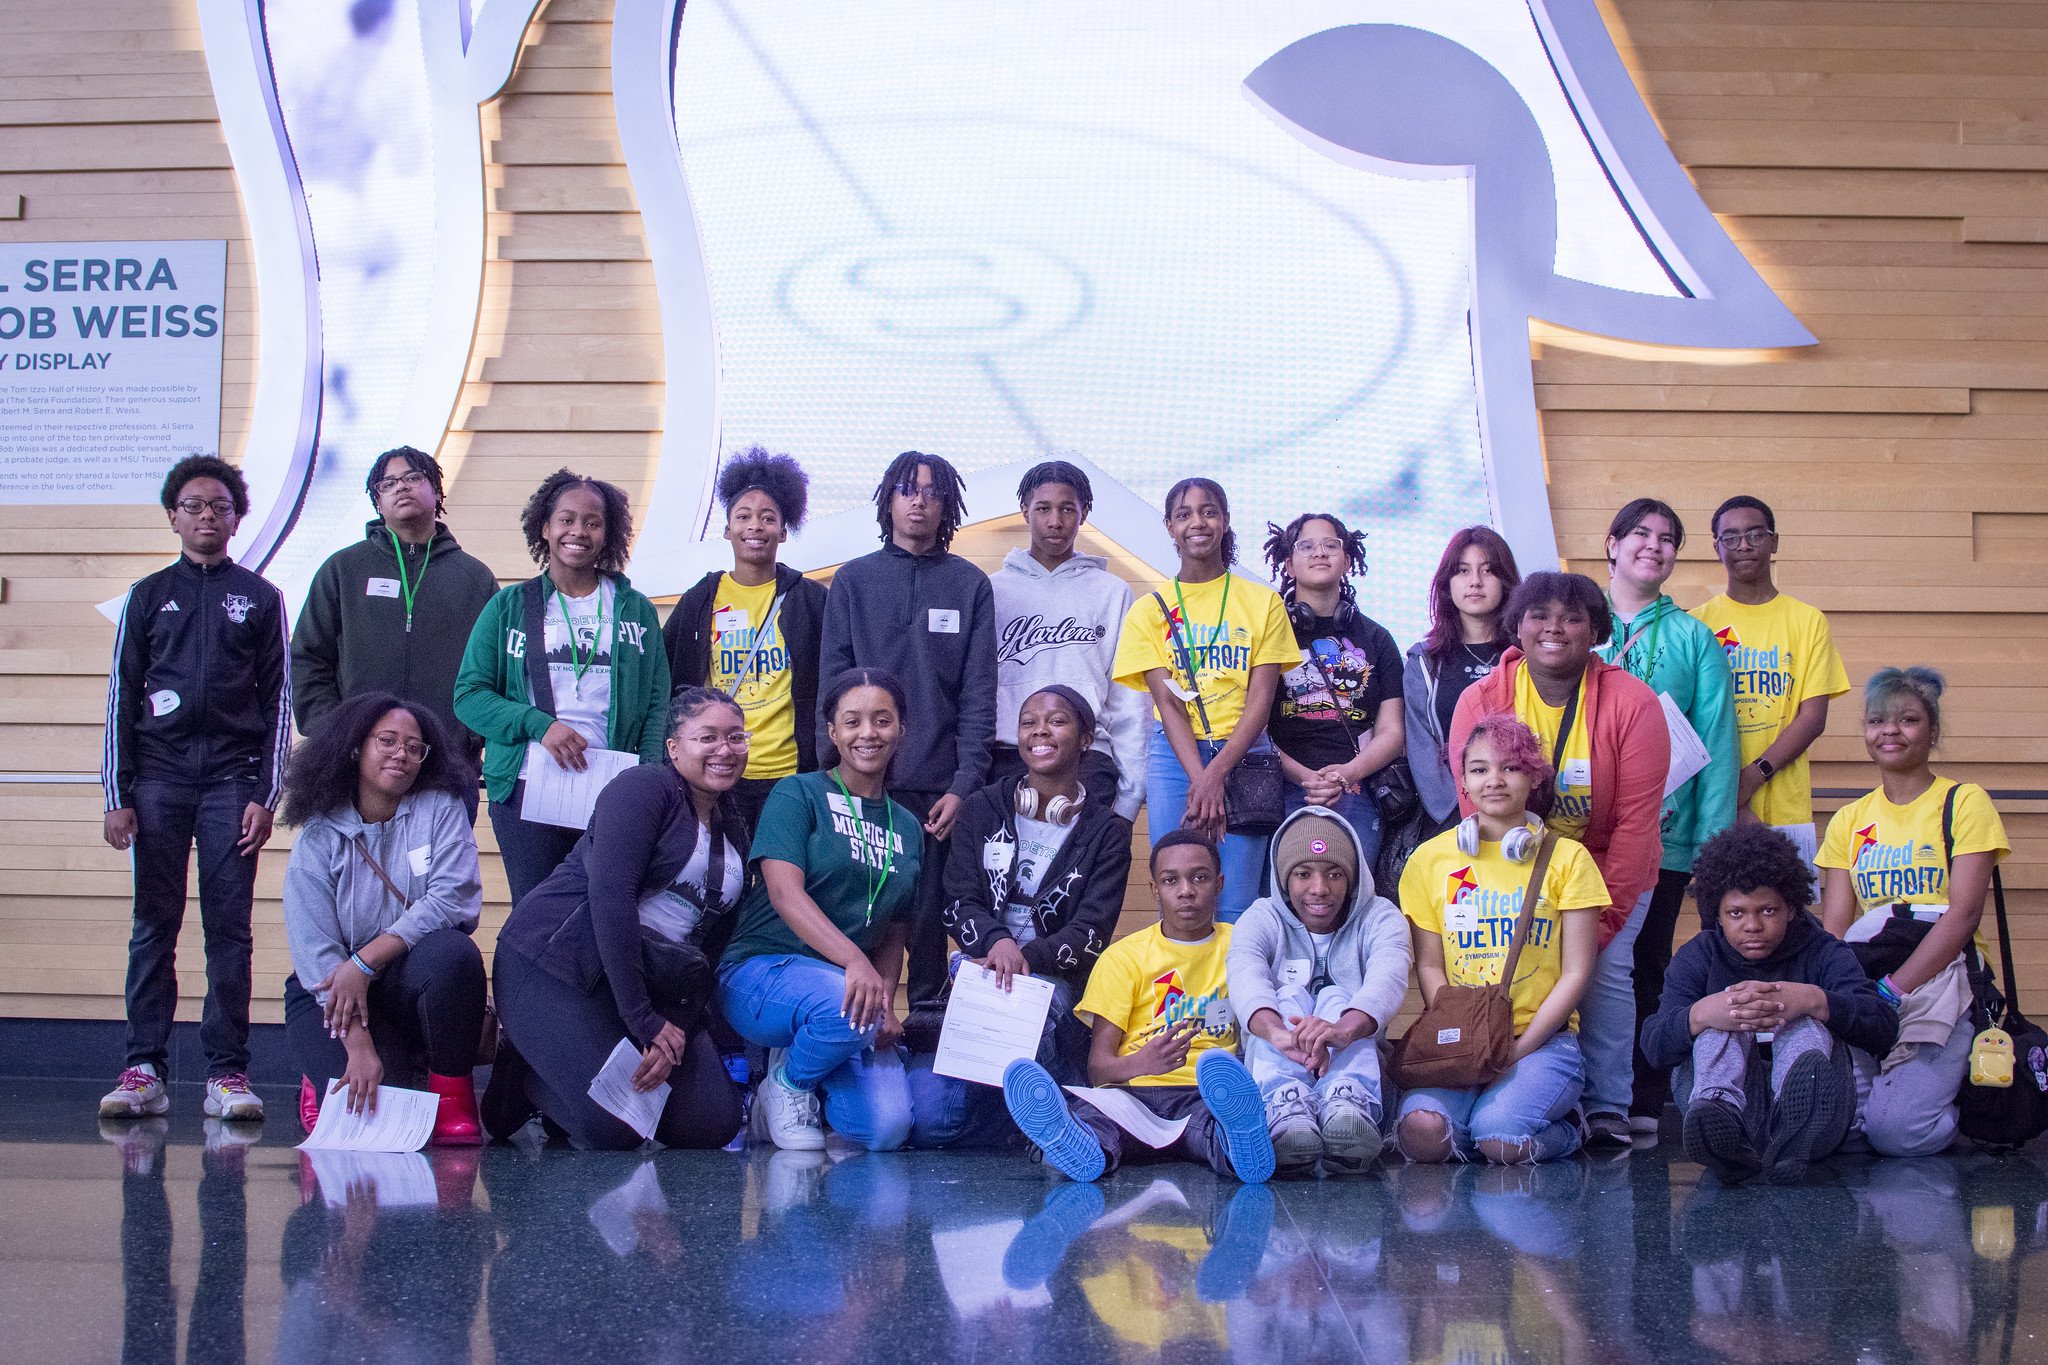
[1883, 165]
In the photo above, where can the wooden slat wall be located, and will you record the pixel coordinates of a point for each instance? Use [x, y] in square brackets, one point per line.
[1881, 163]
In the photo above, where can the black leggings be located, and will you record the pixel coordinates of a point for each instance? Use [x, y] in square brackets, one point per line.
[427, 1006]
[564, 1036]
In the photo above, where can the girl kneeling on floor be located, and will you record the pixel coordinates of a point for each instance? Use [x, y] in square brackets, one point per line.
[617, 944]
[811, 972]
[380, 899]
[1463, 891]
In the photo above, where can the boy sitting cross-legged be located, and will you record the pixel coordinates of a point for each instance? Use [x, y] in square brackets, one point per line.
[1164, 1034]
[1315, 970]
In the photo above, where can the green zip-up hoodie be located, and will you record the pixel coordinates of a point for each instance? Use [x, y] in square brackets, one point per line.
[1676, 653]
[503, 692]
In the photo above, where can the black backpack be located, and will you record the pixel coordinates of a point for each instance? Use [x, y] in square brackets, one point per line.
[2008, 1116]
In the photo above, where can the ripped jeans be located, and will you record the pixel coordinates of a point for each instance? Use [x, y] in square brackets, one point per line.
[1527, 1104]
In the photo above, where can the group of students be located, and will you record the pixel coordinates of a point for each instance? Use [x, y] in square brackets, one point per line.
[835, 786]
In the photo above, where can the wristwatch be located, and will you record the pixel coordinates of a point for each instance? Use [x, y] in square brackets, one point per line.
[1763, 765]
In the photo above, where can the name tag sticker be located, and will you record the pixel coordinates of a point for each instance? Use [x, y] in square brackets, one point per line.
[943, 621]
[1578, 772]
[1446, 1036]
[995, 857]
[1462, 917]
[381, 587]
[164, 702]
[837, 804]
[421, 858]
[729, 620]
[1294, 971]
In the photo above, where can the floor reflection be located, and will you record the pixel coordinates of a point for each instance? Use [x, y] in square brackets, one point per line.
[167, 1241]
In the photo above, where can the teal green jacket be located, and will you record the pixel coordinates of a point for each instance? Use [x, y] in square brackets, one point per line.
[1674, 652]
[502, 691]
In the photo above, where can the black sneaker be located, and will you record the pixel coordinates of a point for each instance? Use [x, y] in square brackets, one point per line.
[1808, 1105]
[1607, 1130]
[1716, 1139]
[505, 1108]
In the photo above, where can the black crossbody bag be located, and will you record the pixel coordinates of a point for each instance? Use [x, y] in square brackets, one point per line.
[1392, 788]
[1253, 801]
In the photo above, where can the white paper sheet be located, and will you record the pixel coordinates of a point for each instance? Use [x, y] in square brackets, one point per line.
[971, 1268]
[559, 796]
[396, 1180]
[612, 1088]
[1134, 1118]
[988, 1027]
[403, 1121]
[1688, 753]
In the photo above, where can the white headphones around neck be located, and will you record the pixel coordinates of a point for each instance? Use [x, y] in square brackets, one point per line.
[1058, 811]
[1518, 846]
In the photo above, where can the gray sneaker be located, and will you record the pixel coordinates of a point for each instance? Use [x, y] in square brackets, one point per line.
[138, 1094]
[1291, 1122]
[1351, 1140]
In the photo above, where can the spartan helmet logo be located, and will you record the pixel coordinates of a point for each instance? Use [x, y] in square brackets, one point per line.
[238, 607]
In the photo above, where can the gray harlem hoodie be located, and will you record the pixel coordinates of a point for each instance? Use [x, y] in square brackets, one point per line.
[1061, 626]
[1369, 953]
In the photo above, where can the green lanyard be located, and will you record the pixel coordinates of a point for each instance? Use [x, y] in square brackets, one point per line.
[409, 586]
[875, 884]
[578, 661]
[1195, 681]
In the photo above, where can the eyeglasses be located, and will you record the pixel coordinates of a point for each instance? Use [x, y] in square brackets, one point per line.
[731, 739]
[390, 742]
[1753, 538]
[192, 507]
[412, 478]
[917, 492]
[1327, 547]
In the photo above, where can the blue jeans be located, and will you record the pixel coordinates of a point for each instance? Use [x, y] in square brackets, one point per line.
[1607, 1019]
[1355, 807]
[1356, 1068]
[170, 818]
[1166, 801]
[949, 1112]
[793, 1002]
[1527, 1104]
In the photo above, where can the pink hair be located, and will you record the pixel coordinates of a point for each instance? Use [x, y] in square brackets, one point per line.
[1513, 743]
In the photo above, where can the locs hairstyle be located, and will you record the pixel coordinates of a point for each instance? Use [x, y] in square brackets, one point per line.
[1214, 490]
[414, 459]
[1055, 471]
[1570, 590]
[326, 765]
[779, 476]
[206, 467]
[1632, 515]
[618, 518]
[946, 483]
[1445, 632]
[1744, 858]
[1280, 543]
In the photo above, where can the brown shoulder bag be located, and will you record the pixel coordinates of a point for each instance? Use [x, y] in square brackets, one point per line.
[1466, 1036]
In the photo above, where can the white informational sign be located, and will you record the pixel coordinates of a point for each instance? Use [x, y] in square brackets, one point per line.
[109, 366]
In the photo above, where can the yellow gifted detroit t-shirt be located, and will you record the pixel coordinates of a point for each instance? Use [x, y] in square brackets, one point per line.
[1473, 904]
[1893, 853]
[1225, 639]
[1573, 810]
[1782, 653]
[1147, 982]
[763, 692]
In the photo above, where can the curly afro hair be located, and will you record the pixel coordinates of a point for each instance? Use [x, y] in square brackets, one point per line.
[1743, 858]
[326, 765]
[206, 467]
[1572, 591]
[779, 476]
[618, 518]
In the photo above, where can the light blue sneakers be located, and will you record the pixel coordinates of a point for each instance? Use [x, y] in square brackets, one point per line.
[1234, 1101]
[1040, 1108]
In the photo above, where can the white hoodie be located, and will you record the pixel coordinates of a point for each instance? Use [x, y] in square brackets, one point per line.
[1061, 626]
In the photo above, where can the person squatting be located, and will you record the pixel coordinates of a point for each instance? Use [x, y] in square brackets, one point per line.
[926, 769]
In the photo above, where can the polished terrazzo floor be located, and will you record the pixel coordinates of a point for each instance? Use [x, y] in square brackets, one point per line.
[162, 1241]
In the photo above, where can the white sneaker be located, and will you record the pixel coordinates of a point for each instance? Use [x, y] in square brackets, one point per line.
[229, 1097]
[1351, 1140]
[793, 1178]
[791, 1115]
[1291, 1123]
[139, 1094]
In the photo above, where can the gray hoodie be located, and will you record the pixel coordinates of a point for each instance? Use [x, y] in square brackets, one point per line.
[1061, 626]
[1369, 954]
[334, 903]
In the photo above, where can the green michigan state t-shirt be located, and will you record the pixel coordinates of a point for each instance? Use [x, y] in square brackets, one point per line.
[845, 849]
